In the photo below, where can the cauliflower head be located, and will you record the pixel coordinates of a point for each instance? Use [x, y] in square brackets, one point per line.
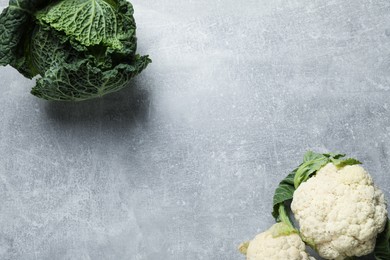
[269, 246]
[340, 211]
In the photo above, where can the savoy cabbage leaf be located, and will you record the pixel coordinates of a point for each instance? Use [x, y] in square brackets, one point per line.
[92, 22]
[81, 80]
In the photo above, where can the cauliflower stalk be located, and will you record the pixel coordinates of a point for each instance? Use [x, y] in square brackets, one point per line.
[341, 213]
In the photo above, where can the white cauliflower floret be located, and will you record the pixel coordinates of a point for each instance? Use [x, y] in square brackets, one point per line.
[341, 211]
[285, 247]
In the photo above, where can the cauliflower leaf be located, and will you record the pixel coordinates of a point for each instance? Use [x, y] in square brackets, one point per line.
[312, 162]
[284, 192]
[382, 247]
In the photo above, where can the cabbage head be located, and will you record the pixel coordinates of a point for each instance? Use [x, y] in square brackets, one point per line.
[79, 49]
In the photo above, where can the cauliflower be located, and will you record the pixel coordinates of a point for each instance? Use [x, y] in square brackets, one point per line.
[276, 245]
[339, 210]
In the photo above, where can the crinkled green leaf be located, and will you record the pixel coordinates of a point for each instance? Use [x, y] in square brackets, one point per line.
[13, 31]
[30, 6]
[93, 22]
[382, 246]
[16, 25]
[81, 80]
[49, 50]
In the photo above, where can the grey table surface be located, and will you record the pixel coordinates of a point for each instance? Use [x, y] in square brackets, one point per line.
[183, 164]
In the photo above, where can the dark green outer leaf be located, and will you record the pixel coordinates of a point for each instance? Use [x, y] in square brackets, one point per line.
[81, 80]
[29, 5]
[382, 247]
[48, 50]
[16, 25]
[12, 31]
[284, 192]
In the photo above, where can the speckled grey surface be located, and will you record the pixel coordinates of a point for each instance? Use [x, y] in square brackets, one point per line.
[183, 165]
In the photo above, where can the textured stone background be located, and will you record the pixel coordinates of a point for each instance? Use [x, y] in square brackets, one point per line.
[183, 164]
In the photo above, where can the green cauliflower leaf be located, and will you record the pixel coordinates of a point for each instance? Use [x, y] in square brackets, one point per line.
[382, 246]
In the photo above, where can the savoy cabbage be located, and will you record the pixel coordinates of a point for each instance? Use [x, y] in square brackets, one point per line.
[81, 49]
